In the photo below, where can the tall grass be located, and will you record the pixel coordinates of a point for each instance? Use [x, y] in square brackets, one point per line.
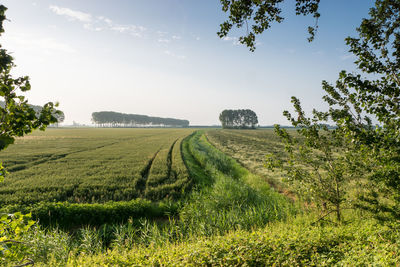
[237, 199]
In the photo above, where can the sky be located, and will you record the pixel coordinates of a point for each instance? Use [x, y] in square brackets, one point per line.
[163, 57]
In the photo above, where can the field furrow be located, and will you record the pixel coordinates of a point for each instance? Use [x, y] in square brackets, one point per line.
[166, 179]
[144, 174]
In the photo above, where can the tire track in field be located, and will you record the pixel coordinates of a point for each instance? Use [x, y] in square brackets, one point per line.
[144, 173]
[167, 177]
[169, 160]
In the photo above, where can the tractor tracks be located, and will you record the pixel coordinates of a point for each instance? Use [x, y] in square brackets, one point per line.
[142, 182]
[169, 161]
[144, 174]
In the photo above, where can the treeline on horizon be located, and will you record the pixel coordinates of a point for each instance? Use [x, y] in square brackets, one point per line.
[116, 119]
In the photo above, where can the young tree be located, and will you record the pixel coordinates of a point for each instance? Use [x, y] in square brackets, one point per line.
[376, 152]
[315, 160]
[362, 149]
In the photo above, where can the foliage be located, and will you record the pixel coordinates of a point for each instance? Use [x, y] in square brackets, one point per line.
[315, 160]
[115, 119]
[17, 118]
[221, 223]
[241, 118]
[297, 243]
[58, 114]
[260, 14]
[13, 249]
[315, 168]
[249, 148]
[16, 115]
[376, 152]
[365, 150]
[48, 245]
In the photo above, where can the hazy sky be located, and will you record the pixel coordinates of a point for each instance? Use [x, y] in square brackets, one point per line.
[163, 57]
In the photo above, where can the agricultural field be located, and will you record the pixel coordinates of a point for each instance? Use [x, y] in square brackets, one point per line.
[249, 148]
[94, 166]
[197, 198]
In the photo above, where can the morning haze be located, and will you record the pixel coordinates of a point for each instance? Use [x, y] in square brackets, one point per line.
[164, 58]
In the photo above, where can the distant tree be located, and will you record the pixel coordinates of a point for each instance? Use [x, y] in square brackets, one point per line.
[258, 15]
[60, 116]
[239, 119]
[115, 119]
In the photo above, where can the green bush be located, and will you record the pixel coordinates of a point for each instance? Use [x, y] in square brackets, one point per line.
[13, 228]
[296, 244]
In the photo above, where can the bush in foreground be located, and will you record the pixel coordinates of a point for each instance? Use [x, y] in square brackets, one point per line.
[362, 242]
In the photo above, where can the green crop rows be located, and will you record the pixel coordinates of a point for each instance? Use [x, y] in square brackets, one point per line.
[94, 166]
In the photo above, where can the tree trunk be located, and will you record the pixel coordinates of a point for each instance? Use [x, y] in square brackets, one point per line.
[338, 213]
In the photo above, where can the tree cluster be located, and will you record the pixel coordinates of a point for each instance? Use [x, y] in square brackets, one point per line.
[238, 119]
[116, 119]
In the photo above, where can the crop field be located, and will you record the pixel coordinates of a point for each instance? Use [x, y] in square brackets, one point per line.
[249, 148]
[94, 166]
[173, 197]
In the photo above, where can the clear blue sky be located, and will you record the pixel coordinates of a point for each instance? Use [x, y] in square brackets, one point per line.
[163, 58]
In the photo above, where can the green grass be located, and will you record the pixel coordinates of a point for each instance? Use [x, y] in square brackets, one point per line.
[236, 198]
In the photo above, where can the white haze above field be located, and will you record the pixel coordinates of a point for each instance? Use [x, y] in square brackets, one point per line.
[163, 58]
